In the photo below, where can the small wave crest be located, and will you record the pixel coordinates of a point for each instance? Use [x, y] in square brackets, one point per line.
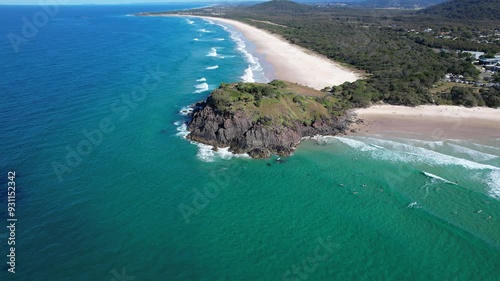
[438, 178]
[212, 67]
[200, 88]
[248, 75]
[212, 52]
[182, 130]
[359, 145]
[493, 183]
[257, 72]
[206, 153]
[204, 30]
[209, 21]
[472, 153]
[203, 79]
[401, 152]
[186, 111]
[189, 21]
[322, 140]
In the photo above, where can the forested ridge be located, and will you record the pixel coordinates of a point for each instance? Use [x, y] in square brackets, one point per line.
[466, 9]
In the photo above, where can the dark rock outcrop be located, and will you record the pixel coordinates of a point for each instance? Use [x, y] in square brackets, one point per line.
[237, 131]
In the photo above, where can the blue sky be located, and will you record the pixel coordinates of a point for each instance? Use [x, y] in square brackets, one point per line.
[77, 2]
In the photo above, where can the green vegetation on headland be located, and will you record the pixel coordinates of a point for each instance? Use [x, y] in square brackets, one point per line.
[277, 103]
[264, 119]
[396, 48]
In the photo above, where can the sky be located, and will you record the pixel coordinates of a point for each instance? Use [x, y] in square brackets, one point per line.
[78, 2]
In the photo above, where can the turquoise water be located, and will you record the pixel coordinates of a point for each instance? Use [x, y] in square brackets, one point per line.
[140, 201]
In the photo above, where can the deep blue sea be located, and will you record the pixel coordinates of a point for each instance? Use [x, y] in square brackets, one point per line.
[92, 118]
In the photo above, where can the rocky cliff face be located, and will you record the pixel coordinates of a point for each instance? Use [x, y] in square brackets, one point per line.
[259, 139]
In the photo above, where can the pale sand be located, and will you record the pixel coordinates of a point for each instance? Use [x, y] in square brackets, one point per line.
[290, 62]
[431, 121]
[295, 64]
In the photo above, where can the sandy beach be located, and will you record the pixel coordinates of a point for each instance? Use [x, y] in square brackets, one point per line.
[296, 64]
[431, 122]
[290, 62]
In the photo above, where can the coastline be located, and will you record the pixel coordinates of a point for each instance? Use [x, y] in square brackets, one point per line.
[284, 61]
[287, 61]
[480, 124]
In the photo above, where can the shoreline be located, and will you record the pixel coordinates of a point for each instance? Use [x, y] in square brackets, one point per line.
[431, 122]
[285, 61]
[434, 122]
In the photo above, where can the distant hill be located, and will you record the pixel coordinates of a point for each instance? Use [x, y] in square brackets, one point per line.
[280, 7]
[400, 3]
[466, 9]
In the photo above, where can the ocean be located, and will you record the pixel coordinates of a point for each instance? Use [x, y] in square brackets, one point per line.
[93, 112]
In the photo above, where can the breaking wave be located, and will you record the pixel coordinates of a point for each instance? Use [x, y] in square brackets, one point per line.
[200, 88]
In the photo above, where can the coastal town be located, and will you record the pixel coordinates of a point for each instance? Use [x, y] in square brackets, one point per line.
[489, 70]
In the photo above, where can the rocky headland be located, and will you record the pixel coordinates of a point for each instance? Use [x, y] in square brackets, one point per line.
[265, 119]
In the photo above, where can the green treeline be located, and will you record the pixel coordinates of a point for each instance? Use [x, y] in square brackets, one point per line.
[400, 71]
[400, 67]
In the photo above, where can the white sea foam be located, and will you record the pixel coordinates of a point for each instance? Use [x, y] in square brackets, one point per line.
[254, 66]
[200, 88]
[377, 146]
[196, 39]
[438, 178]
[430, 156]
[493, 182]
[253, 62]
[212, 67]
[205, 152]
[204, 30]
[220, 39]
[189, 21]
[400, 152]
[359, 145]
[212, 53]
[248, 76]
[480, 147]
[203, 79]
[411, 205]
[182, 130]
[186, 110]
[322, 139]
[474, 154]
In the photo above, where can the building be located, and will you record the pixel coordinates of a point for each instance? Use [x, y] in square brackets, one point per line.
[490, 61]
[476, 55]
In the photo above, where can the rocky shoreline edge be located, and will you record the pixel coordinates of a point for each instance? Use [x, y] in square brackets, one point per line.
[242, 135]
